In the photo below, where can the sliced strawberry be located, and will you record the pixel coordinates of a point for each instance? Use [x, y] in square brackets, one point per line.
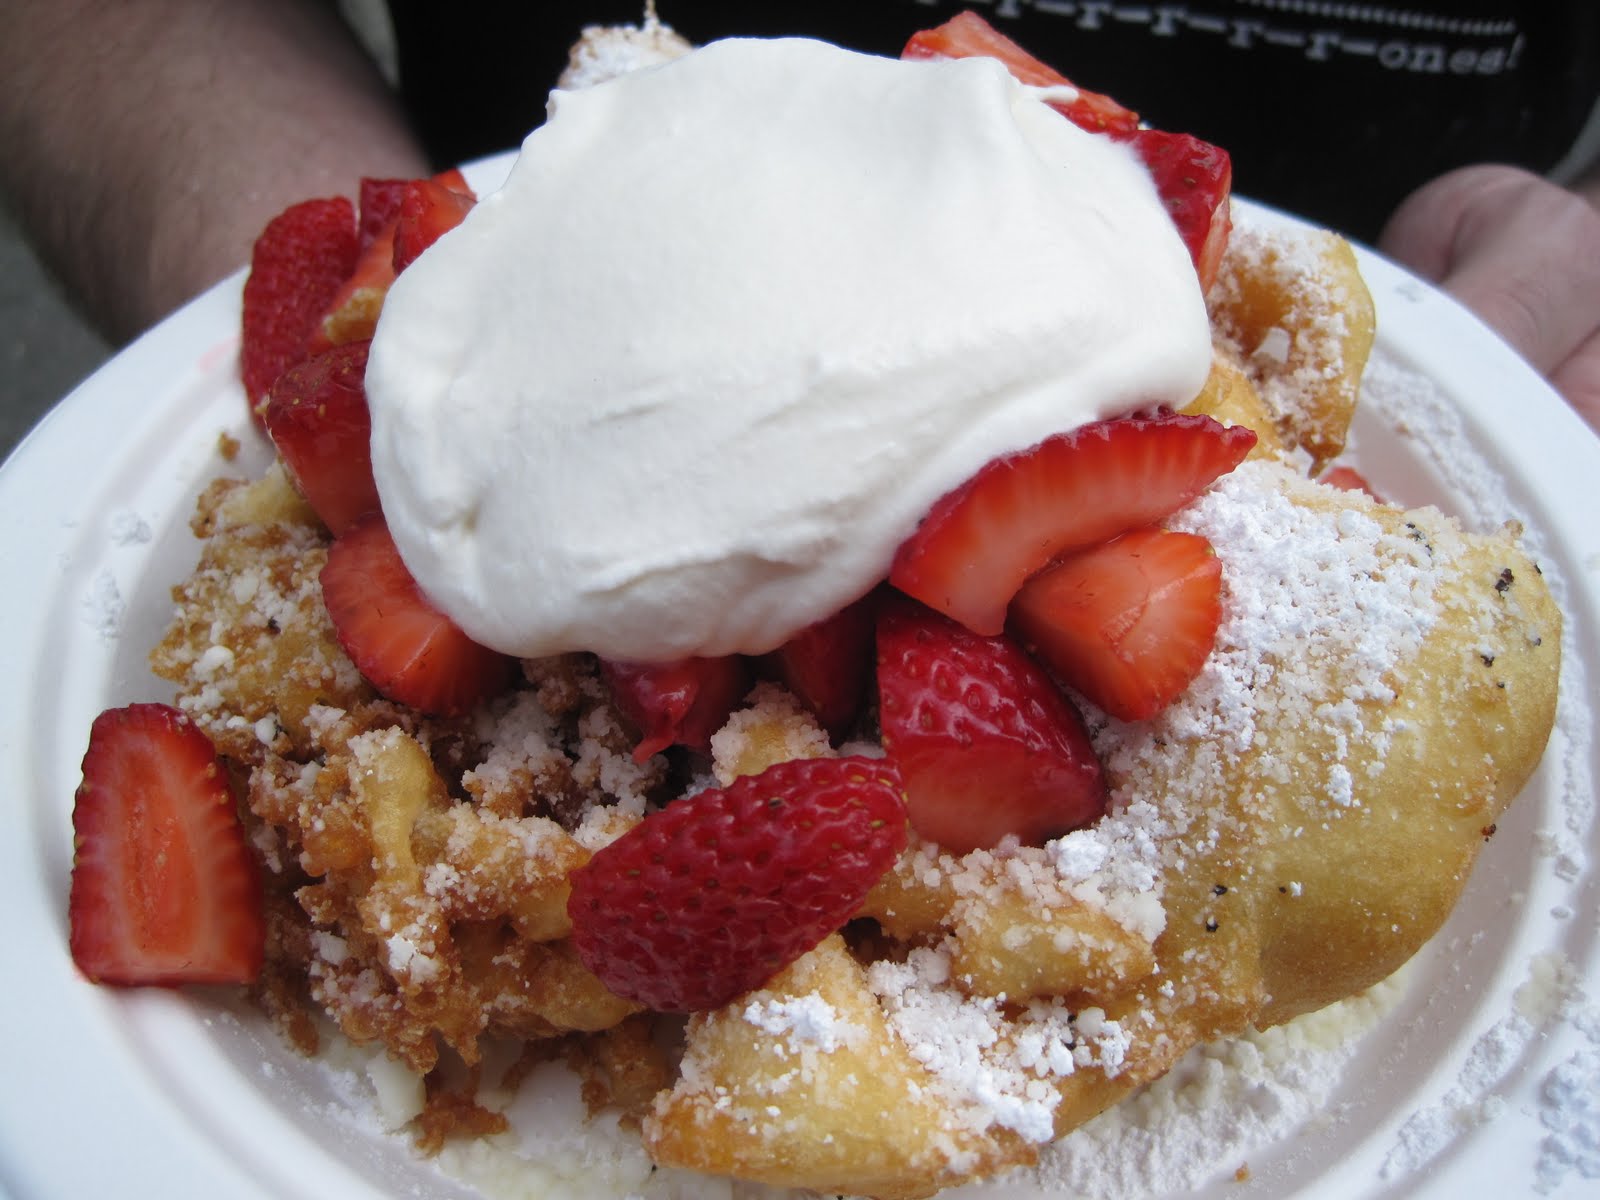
[713, 895]
[453, 179]
[828, 666]
[980, 542]
[967, 35]
[987, 745]
[404, 646]
[1194, 179]
[316, 414]
[1348, 479]
[378, 204]
[429, 210]
[298, 263]
[678, 703]
[164, 890]
[352, 314]
[1128, 623]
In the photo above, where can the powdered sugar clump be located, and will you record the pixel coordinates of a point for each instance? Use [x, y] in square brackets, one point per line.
[1113, 867]
[104, 606]
[803, 1021]
[961, 1040]
[129, 529]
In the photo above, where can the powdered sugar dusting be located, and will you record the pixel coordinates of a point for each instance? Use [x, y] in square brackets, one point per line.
[128, 528]
[1303, 356]
[1413, 407]
[803, 1021]
[1550, 1004]
[1322, 603]
[993, 1071]
[104, 606]
[1215, 1108]
[1570, 1112]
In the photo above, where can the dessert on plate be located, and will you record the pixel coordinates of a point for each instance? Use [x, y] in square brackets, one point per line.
[830, 602]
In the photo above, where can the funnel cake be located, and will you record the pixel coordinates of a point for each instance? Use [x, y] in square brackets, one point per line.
[1319, 707]
[1285, 834]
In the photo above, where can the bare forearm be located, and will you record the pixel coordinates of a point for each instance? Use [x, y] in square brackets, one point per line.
[145, 144]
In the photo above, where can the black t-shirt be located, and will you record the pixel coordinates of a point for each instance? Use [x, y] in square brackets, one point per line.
[1332, 110]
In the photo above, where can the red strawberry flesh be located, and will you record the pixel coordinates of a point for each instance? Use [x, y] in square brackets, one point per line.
[711, 896]
[828, 665]
[1129, 623]
[967, 35]
[352, 314]
[403, 645]
[164, 890]
[299, 262]
[987, 745]
[1348, 479]
[378, 204]
[679, 703]
[316, 414]
[982, 541]
[1194, 179]
[429, 209]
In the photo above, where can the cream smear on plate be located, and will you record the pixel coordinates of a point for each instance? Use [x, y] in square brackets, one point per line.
[735, 322]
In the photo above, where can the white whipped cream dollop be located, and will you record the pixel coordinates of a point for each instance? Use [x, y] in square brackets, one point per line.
[734, 323]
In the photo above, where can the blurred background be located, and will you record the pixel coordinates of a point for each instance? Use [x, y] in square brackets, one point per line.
[46, 350]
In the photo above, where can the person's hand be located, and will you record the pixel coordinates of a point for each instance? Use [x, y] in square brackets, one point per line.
[1522, 253]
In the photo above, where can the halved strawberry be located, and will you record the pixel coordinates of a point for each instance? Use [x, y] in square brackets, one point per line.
[967, 35]
[711, 896]
[828, 665]
[679, 703]
[316, 414]
[1128, 623]
[987, 745]
[1194, 179]
[404, 646]
[164, 890]
[982, 541]
[299, 262]
[429, 209]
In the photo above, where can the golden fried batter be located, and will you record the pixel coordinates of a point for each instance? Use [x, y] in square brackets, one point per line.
[1285, 835]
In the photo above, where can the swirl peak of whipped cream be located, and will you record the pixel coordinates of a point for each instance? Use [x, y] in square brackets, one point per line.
[734, 323]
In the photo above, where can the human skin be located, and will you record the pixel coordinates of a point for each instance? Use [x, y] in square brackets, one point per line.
[1522, 253]
[144, 145]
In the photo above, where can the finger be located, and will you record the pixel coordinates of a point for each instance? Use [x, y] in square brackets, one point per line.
[1522, 253]
[1421, 232]
[1578, 380]
[1536, 278]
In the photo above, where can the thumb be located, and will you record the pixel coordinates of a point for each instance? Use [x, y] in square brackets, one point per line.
[1519, 251]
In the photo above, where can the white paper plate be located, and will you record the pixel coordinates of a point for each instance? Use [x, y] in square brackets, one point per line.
[150, 1094]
